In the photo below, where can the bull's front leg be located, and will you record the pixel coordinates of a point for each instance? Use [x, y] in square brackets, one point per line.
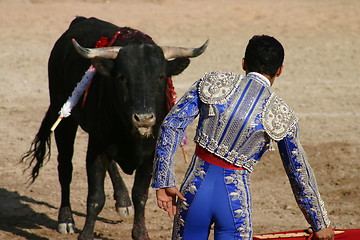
[121, 195]
[140, 193]
[96, 166]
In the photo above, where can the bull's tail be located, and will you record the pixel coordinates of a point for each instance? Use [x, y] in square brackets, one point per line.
[40, 148]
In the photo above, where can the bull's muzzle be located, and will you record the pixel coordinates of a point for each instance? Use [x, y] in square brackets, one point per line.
[144, 123]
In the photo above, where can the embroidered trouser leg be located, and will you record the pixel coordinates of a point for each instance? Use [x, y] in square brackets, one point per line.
[214, 195]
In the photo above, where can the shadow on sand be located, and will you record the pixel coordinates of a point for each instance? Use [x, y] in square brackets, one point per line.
[17, 216]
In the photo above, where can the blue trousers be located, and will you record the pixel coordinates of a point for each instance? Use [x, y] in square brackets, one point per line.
[214, 195]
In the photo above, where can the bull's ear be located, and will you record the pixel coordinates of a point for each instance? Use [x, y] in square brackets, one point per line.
[103, 65]
[177, 66]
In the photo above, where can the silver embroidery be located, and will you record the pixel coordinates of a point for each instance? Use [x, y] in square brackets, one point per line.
[212, 145]
[204, 139]
[216, 88]
[188, 185]
[232, 156]
[222, 150]
[242, 200]
[278, 118]
[302, 180]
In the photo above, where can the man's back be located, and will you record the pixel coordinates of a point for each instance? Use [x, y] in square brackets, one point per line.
[230, 126]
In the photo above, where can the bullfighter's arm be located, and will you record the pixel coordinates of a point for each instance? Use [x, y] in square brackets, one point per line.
[171, 134]
[302, 180]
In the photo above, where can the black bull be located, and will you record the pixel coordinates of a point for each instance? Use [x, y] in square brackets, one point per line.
[124, 107]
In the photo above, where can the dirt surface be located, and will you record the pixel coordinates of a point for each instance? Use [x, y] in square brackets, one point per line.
[321, 40]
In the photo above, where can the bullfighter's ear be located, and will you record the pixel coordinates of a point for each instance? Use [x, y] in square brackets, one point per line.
[177, 66]
[103, 65]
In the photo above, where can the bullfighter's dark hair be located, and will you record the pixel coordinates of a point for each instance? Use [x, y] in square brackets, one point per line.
[264, 54]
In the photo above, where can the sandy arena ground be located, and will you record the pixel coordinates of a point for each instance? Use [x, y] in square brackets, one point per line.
[321, 40]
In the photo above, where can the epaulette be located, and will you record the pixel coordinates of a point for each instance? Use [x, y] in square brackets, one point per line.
[278, 118]
[216, 87]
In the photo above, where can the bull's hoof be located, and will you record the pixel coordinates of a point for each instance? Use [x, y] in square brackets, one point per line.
[66, 222]
[64, 228]
[125, 212]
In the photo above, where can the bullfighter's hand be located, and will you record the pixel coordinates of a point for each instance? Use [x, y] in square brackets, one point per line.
[166, 199]
[324, 234]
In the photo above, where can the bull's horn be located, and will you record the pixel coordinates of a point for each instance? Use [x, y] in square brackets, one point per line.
[108, 52]
[176, 52]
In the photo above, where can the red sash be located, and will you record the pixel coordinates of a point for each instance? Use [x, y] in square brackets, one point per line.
[213, 159]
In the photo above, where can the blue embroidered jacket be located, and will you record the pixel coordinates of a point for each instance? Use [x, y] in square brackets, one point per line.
[238, 118]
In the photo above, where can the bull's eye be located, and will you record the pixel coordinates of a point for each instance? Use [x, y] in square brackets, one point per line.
[119, 76]
[122, 79]
[162, 77]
